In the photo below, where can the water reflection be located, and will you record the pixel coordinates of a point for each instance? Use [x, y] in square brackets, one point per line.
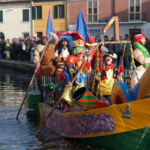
[19, 135]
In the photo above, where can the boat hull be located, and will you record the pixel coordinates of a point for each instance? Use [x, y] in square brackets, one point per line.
[116, 127]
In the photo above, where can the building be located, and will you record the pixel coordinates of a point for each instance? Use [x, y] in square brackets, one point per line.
[133, 16]
[15, 18]
[40, 12]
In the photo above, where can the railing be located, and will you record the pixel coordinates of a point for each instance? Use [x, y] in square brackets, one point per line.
[103, 18]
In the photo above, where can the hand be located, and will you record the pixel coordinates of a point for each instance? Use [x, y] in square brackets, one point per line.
[38, 65]
[51, 34]
[69, 84]
[89, 59]
[61, 55]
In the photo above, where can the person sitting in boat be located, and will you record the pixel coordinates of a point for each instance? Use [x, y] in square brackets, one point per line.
[109, 74]
[73, 65]
[141, 58]
[46, 66]
[61, 54]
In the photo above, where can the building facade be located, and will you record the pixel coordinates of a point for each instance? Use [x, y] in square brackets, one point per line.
[133, 16]
[15, 18]
[59, 13]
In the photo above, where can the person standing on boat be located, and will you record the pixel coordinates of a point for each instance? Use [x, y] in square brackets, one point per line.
[46, 66]
[61, 54]
[141, 58]
[109, 74]
[73, 65]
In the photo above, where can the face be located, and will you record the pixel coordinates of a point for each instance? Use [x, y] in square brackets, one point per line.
[64, 43]
[143, 41]
[121, 38]
[108, 60]
[105, 38]
[44, 41]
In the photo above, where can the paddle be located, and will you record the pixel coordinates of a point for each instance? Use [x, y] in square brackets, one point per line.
[32, 79]
[60, 99]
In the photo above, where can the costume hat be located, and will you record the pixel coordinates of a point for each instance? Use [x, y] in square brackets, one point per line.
[139, 37]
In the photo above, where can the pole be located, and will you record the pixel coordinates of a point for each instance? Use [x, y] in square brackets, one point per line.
[60, 99]
[32, 79]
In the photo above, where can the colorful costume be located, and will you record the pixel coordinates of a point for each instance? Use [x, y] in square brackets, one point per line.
[108, 75]
[47, 65]
[73, 65]
[141, 58]
[60, 57]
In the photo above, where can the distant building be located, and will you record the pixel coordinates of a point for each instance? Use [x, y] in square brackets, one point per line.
[40, 9]
[15, 18]
[133, 15]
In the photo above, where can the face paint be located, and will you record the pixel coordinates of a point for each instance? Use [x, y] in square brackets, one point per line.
[108, 60]
[79, 53]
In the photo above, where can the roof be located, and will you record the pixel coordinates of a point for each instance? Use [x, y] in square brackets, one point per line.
[13, 1]
[49, 0]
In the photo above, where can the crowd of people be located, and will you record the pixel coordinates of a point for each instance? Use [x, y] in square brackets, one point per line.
[19, 49]
[23, 49]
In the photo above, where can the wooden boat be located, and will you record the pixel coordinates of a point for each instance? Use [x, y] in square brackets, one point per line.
[120, 127]
[117, 127]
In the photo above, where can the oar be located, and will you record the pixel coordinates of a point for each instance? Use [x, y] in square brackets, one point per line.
[60, 99]
[32, 79]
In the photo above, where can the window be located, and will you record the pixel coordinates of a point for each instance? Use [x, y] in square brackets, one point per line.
[1, 16]
[37, 12]
[39, 34]
[135, 10]
[25, 14]
[59, 11]
[25, 34]
[92, 11]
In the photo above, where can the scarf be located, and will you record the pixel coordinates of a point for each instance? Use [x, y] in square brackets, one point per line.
[144, 51]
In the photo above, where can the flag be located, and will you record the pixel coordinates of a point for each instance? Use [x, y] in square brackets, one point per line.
[82, 26]
[50, 24]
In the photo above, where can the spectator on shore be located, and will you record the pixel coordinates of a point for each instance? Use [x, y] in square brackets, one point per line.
[108, 46]
[119, 51]
[28, 49]
[17, 48]
[127, 53]
[2, 48]
[97, 39]
[113, 45]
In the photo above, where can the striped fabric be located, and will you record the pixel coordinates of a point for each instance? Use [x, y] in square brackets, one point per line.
[88, 101]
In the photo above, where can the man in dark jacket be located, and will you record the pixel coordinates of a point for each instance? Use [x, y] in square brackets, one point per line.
[28, 48]
[108, 46]
[2, 48]
[127, 53]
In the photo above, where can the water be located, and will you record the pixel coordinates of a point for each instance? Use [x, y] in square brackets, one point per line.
[19, 135]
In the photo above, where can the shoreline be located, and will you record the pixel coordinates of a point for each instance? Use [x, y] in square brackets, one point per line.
[17, 65]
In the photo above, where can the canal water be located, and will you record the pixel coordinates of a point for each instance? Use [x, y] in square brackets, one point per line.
[19, 135]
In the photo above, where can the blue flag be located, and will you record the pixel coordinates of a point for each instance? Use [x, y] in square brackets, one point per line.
[50, 24]
[82, 26]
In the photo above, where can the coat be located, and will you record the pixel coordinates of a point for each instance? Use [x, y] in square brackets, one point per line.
[47, 65]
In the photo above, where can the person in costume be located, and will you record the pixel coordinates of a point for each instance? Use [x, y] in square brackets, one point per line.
[109, 74]
[61, 54]
[73, 65]
[141, 58]
[91, 43]
[46, 66]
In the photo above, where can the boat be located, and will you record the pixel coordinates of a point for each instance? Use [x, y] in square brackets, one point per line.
[122, 126]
